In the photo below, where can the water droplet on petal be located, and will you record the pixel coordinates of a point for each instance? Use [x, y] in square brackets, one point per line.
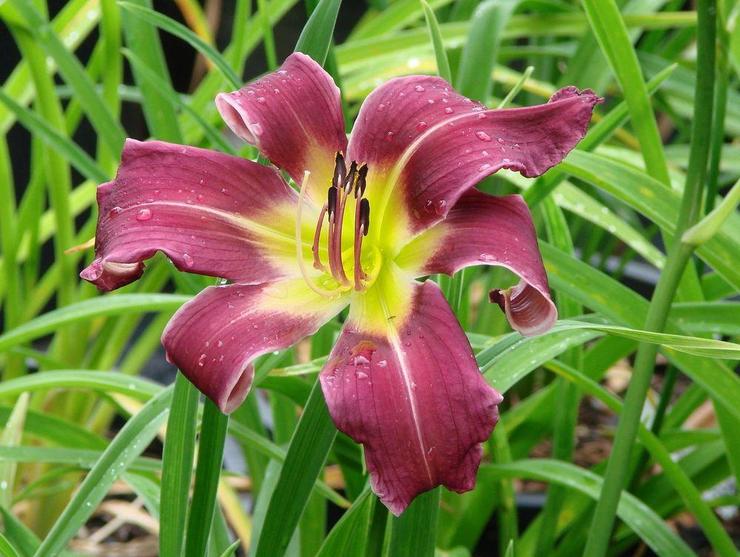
[187, 259]
[481, 116]
[389, 136]
[382, 363]
[419, 89]
[440, 206]
[202, 360]
[485, 166]
[381, 107]
[144, 215]
[421, 126]
[220, 343]
[483, 136]
[487, 257]
[261, 100]
[115, 211]
[361, 375]
[449, 110]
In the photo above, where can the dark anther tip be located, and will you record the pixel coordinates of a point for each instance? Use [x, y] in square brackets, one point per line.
[361, 181]
[365, 216]
[340, 169]
[332, 202]
[349, 180]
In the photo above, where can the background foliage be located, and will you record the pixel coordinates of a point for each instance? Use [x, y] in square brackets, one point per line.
[93, 443]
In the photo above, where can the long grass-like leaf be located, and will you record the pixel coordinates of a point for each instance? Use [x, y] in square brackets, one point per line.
[127, 445]
[179, 30]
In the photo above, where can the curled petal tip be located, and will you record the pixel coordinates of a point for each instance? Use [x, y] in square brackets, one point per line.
[528, 311]
[109, 275]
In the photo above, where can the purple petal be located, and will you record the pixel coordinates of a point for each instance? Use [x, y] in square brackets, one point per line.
[431, 144]
[294, 116]
[414, 397]
[482, 229]
[214, 338]
[210, 213]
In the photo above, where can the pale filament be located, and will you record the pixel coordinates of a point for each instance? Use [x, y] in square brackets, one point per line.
[299, 242]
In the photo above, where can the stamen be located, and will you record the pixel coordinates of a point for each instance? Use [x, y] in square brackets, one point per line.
[365, 216]
[335, 247]
[362, 224]
[317, 264]
[340, 169]
[299, 242]
[361, 183]
[351, 177]
[332, 203]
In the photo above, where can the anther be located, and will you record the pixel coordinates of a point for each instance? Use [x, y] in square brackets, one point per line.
[361, 182]
[340, 170]
[351, 177]
[364, 216]
[332, 203]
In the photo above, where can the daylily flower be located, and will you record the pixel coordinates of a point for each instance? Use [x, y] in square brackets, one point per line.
[394, 204]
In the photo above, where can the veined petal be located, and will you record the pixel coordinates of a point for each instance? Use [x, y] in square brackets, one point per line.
[425, 144]
[213, 338]
[294, 116]
[413, 396]
[211, 213]
[482, 229]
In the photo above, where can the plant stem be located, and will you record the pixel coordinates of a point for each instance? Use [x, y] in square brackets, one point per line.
[678, 257]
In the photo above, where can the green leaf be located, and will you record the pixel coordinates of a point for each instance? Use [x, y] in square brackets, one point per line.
[349, 535]
[207, 474]
[413, 533]
[104, 381]
[443, 65]
[142, 39]
[120, 453]
[636, 514]
[11, 437]
[81, 458]
[231, 550]
[307, 453]
[179, 30]
[63, 145]
[702, 231]
[611, 33]
[117, 304]
[174, 99]
[316, 36]
[658, 203]
[481, 48]
[6, 548]
[105, 123]
[177, 466]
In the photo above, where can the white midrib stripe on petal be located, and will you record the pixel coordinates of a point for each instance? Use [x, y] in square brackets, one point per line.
[395, 341]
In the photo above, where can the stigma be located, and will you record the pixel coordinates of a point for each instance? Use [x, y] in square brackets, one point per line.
[347, 186]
